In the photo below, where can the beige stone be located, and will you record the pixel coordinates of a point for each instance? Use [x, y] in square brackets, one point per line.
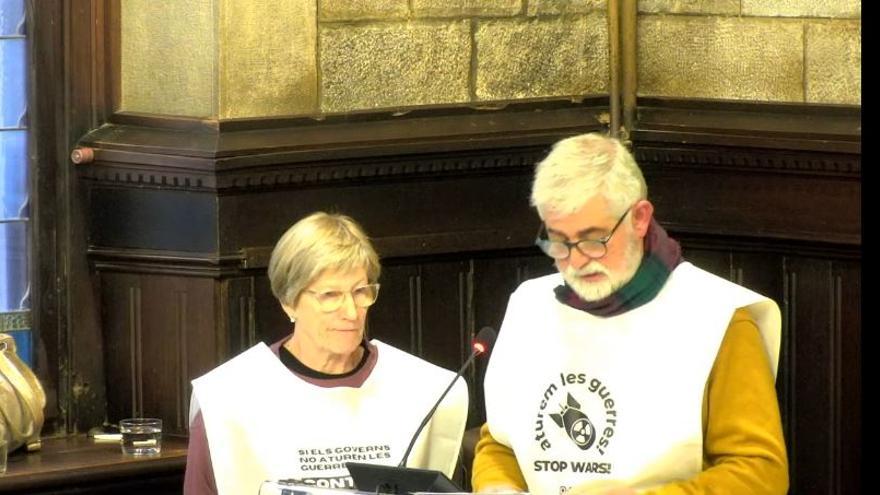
[167, 57]
[803, 8]
[540, 7]
[394, 65]
[834, 62]
[457, 8]
[721, 57]
[542, 57]
[267, 58]
[353, 10]
[728, 7]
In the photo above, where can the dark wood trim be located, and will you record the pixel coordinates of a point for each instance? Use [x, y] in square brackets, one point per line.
[82, 391]
[77, 464]
[411, 133]
[800, 163]
[145, 261]
[778, 126]
[139, 119]
[47, 199]
[187, 154]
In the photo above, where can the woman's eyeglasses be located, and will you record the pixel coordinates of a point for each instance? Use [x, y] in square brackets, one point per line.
[331, 300]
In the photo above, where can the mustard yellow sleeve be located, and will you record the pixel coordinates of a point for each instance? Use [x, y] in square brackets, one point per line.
[743, 446]
[495, 465]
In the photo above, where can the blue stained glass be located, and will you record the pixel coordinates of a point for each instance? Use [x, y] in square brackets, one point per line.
[13, 266]
[13, 82]
[13, 175]
[11, 17]
[24, 346]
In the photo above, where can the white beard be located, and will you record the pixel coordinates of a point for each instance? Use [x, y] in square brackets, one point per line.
[595, 291]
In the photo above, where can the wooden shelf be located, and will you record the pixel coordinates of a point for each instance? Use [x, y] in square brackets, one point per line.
[77, 463]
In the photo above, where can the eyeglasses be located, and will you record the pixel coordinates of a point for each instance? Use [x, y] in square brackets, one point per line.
[331, 300]
[591, 248]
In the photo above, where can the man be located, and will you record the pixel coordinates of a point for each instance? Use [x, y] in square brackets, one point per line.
[630, 370]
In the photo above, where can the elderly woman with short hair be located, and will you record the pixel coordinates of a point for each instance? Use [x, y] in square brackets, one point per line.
[324, 395]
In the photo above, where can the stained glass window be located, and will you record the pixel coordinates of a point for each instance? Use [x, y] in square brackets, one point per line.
[14, 191]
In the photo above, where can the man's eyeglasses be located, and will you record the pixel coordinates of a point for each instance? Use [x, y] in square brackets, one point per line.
[591, 248]
[331, 300]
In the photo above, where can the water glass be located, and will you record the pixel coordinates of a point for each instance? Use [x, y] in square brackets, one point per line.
[141, 436]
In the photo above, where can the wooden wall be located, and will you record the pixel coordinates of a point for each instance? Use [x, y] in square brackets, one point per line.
[181, 222]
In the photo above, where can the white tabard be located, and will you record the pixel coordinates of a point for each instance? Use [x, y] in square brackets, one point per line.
[581, 398]
[264, 423]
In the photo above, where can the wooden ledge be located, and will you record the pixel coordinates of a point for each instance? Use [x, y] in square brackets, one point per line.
[76, 463]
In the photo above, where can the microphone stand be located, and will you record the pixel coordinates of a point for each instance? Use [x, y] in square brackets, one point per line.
[477, 351]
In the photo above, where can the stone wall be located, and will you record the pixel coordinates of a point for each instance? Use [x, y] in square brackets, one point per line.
[227, 59]
[806, 51]
[302, 57]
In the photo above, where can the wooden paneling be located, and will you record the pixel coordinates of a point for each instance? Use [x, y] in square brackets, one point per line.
[159, 333]
[847, 317]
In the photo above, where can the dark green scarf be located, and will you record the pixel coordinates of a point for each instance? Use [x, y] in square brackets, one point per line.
[662, 255]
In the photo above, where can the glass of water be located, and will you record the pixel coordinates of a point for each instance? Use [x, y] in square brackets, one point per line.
[141, 436]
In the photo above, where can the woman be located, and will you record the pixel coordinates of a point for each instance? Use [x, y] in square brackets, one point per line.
[304, 406]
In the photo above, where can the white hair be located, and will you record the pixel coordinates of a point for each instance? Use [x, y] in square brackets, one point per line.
[581, 167]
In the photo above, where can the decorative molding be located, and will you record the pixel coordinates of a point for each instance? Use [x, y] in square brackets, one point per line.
[835, 165]
[15, 320]
[311, 174]
[165, 262]
[139, 151]
[126, 171]
[362, 171]
[138, 176]
[122, 167]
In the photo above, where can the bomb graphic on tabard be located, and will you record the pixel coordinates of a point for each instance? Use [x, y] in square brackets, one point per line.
[576, 424]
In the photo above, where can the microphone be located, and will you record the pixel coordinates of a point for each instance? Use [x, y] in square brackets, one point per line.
[481, 344]
[381, 479]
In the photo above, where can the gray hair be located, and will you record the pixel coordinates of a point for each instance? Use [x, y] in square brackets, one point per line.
[321, 241]
[581, 167]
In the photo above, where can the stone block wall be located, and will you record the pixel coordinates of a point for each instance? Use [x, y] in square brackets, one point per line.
[395, 53]
[228, 59]
[806, 51]
[308, 57]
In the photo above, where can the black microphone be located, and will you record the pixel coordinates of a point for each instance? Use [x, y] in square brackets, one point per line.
[381, 479]
[481, 344]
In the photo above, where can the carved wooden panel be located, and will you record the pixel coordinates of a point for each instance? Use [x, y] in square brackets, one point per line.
[159, 333]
